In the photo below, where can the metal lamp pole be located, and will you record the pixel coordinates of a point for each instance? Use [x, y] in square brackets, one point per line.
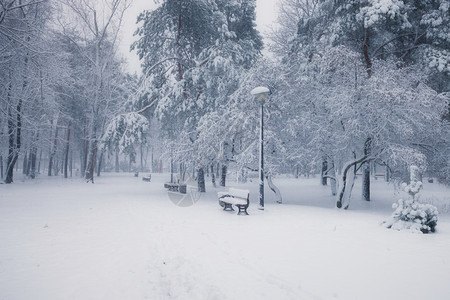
[261, 94]
[261, 158]
[171, 164]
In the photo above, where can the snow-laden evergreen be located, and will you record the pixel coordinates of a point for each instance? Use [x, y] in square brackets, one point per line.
[410, 214]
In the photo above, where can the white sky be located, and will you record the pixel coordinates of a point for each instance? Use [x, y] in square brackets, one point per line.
[266, 12]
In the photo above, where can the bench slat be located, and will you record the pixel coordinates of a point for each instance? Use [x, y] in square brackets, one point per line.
[234, 201]
[238, 193]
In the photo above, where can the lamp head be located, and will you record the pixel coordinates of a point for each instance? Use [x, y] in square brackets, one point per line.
[260, 93]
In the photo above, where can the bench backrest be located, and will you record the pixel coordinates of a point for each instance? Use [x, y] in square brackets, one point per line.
[239, 193]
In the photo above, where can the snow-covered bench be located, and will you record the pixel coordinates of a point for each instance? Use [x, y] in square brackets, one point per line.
[176, 187]
[147, 178]
[236, 197]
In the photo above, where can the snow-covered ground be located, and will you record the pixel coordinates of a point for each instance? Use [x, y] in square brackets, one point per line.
[123, 238]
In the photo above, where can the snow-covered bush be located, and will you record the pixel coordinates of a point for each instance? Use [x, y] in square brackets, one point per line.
[411, 215]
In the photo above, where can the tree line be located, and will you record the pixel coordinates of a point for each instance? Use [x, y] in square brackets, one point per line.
[354, 85]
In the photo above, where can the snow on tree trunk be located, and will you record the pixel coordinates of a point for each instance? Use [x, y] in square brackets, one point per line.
[332, 174]
[201, 180]
[347, 182]
[347, 187]
[274, 189]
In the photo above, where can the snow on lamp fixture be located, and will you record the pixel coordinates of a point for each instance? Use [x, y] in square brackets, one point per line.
[260, 94]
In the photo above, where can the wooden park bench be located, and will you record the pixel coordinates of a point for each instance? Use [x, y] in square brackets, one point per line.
[147, 178]
[236, 197]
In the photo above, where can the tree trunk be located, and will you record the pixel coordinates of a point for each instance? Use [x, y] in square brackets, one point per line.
[366, 53]
[366, 171]
[28, 168]
[33, 155]
[57, 167]
[223, 176]
[201, 180]
[14, 140]
[12, 157]
[116, 165]
[213, 176]
[387, 174]
[182, 172]
[153, 163]
[345, 192]
[92, 156]
[71, 163]
[142, 158]
[66, 154]
[39, 163]
[332, 173]
[366, 182]
[25, 163]
[244, 175]
[347, 182]
[274, 189]
[100, 164]
[84, 151]
[323, 174]
[53, 151]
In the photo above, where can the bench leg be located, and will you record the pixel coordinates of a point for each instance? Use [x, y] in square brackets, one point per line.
[242, 209]
[228, 205]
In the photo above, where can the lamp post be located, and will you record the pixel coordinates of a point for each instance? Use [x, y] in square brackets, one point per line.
[260, 94]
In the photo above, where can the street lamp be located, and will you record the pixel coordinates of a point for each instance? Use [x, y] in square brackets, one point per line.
[260, 94]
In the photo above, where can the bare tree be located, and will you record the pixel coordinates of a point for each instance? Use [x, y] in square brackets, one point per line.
[290, 12]
[98, 24]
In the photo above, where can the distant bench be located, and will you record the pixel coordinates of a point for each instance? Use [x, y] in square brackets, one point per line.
[147, 178]
[176, 187]
[236, 197]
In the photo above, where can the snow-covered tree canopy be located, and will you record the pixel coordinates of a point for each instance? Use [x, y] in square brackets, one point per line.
[124, 131]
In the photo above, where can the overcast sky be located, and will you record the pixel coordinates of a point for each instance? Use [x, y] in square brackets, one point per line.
[266, 11]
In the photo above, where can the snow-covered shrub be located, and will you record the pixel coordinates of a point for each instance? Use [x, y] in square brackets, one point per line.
[411, 215]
